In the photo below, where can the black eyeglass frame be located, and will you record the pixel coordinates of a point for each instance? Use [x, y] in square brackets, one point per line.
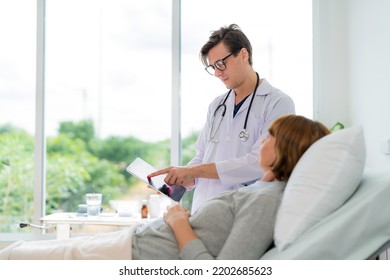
[219, 64]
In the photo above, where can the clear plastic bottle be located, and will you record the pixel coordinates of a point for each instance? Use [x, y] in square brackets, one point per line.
[154, 205]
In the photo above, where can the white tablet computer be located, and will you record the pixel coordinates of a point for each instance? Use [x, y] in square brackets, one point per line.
[141, 169]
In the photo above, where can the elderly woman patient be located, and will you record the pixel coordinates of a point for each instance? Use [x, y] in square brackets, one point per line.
[235, 225]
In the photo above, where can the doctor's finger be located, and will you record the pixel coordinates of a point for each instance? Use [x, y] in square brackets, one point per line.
[170, 179]
[159, 172]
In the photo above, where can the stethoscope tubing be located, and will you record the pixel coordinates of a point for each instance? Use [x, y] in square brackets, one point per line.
[243, 134]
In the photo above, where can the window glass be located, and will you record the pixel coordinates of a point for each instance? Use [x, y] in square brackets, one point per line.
[17, 116]
[108, 91]
[280, 32]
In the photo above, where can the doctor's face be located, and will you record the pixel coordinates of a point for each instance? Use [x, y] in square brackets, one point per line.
[267, 153]
[232, 64]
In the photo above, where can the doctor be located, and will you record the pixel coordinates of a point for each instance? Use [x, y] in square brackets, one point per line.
[237, 121]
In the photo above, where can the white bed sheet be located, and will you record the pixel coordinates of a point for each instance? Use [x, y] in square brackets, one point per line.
[355, 231]
[114, 245]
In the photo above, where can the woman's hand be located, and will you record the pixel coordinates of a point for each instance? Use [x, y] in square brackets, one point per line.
[176, 215]
[177, 218]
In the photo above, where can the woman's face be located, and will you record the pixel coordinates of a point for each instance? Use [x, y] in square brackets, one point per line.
[267, 153]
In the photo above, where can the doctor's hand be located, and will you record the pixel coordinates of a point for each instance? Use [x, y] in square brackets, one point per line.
[180, 176]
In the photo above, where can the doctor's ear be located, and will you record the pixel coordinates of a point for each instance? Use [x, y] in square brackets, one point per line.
[244, 54]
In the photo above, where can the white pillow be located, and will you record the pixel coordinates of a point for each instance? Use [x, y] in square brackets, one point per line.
[323, 179]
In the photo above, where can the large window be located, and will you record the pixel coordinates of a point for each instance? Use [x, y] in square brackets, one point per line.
[108, 89]
[281, 35]
[17, 115]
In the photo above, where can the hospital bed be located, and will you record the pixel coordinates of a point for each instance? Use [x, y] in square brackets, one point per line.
[360, 229]
[333, 207]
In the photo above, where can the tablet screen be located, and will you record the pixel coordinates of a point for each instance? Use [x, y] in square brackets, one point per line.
[141, 169]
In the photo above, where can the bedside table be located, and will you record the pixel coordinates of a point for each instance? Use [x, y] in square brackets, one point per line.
[63, 221]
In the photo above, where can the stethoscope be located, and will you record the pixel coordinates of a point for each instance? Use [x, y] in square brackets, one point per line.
[244, 134]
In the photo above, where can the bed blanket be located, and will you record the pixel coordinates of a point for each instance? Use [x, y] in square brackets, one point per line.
[114, 245]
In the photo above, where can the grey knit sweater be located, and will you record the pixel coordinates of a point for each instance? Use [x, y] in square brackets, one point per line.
[234, 225]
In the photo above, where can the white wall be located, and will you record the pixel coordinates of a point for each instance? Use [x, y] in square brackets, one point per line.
[351, 69]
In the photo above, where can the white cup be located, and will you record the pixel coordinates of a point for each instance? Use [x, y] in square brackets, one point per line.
[125, 209]
[94, 203]
[154, 205]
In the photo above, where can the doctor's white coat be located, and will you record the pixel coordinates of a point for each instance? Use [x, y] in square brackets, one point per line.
[236, 160]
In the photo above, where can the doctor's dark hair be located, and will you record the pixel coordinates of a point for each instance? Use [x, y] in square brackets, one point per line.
[293, 136]
[232, 37]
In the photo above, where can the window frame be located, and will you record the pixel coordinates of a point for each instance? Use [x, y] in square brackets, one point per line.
[40, 136]
[40, 133]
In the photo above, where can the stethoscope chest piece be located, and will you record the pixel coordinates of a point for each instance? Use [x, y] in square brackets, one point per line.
[244, 135]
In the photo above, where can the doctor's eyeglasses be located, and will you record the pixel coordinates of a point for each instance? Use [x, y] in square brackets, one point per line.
[219, 64]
